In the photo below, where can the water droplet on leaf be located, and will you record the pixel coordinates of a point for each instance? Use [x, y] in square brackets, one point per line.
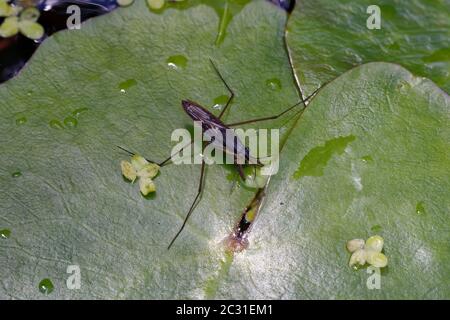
[274, 84]
[420, 208]
[177, 62]
[77, 112]
[16, 174]
[367, 159]
[55, 124]
[46, 286]
[376, 228]
[220, 102]
[125, 85]
[21, 121]
[70, 122]
[5, 233]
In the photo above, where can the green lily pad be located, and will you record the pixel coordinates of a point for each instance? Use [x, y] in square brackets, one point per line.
[69, 204]
[31, 29]
[64, 201]
[5, 9]
[298, 243]
[30, 14]
[9, 27]
[328, 37]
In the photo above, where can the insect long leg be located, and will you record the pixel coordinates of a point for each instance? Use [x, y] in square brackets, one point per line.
[161, 164]
[276, 116]
[226, 85]
[191, 209]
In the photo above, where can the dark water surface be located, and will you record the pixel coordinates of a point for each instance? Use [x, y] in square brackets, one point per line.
[17, 50]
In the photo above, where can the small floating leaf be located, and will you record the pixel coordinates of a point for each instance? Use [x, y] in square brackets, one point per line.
[124, 3]
[10, 27]
[148, 171]
[30, 14]
[31, 30]
[5, 9]
[369, 251]
[155, 4]
[142, 169]
[146, 185]
[375, 243]
[128, 171]
[138, 162]
[376, 259]
[358, 257]
[355, 244]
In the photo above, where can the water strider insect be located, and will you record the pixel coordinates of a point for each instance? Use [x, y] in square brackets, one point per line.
[212, 123]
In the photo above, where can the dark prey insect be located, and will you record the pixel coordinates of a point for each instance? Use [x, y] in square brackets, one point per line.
[236, 148]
